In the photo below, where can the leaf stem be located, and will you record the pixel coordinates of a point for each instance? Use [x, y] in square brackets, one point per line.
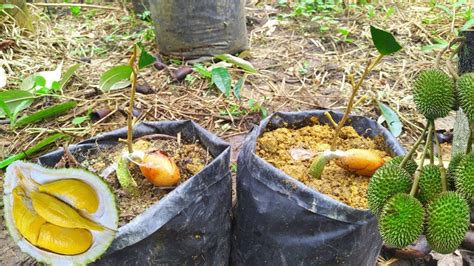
[355, 89]
[415, 146]
[416, 179]
[133, 80]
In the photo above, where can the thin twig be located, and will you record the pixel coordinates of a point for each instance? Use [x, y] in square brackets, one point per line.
[413, 149]
[416, 179]
[78, 5]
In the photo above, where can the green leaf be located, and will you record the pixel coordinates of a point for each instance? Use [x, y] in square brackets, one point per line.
[145, 59]
[80, 119]
[75, 10]
[67, 75]
[202, 70]
[6, 6]
[16, 100]
[468, 24]
[45, 113]
[115, 78]
[238, 87]
[428, 48]
[384, 41]
[237, 61]
[43, 143]
[4, 107]
[222, 79]
[446, 9]
[392, 119]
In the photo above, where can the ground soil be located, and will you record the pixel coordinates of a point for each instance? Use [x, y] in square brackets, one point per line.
[292, 151]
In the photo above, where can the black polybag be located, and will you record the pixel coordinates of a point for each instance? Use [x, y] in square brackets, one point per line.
[193, 29]
[280, 221]
[190, 225]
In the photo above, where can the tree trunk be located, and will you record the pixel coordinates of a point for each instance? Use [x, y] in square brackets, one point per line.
[466, 64]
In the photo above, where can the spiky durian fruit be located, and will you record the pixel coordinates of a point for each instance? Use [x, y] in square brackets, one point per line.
[465, 90]
[410, 165]
[386, 182]
[430, 183]
[448, 222]
[465, 177]
[451, 171]
[401, 220]
[433, 93]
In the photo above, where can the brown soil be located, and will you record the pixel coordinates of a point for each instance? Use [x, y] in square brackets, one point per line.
[190, 158]
[351, 189]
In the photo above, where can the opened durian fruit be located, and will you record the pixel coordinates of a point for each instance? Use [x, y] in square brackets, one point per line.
[59, 216]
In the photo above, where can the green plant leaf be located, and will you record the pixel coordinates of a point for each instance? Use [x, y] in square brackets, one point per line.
[237, 61]
[15, 100]
[145, 59]
[392, 119]
[384, 41]
[446, 9]
[238, 87]
[75, 10]
[6, 6]
[6, 110]
[80, 119]
[45, 113]
[117, 77]
[222, 79]
[67, 75]
[43, 143]
[468, 24]
[202, 70]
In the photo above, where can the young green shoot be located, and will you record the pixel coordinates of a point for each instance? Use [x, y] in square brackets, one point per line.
[385, 44]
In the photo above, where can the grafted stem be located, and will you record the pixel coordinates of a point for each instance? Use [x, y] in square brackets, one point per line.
[133, 81]
[355, 89]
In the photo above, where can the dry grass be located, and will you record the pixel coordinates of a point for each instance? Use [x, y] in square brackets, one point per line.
[279, 49]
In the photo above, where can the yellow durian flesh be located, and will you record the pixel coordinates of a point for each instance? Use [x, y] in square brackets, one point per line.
[42, 234]
[26, 220]
[59, 213]
[66, 241]
[77, 193]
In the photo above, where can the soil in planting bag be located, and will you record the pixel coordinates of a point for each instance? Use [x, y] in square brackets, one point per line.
[281, 221]
[192, 29]
[191, 224]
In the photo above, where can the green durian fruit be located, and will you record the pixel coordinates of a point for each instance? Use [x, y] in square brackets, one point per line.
[430, 183]
[433, 93]
[465, 90]
[410, 166]
[465, 177]
[451, 171]
[448, 222]
[386, 182]
[401, 220]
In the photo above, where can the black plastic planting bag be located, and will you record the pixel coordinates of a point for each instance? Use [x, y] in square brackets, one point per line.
[195, 28]
[280, 221]
[190, 225]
